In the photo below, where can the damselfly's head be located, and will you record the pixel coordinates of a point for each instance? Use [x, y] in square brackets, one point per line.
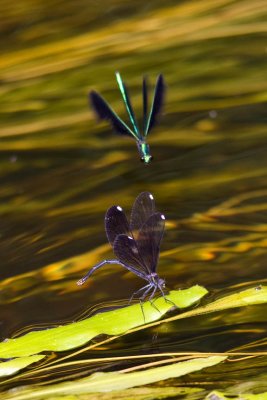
[144, 152]
[161, 283]
[146, 158]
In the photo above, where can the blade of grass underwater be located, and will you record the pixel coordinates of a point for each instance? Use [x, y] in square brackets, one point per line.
[109, 381]
[248, 297]
[13, 366]
[215, 395]
[138, 393]
[113, 322]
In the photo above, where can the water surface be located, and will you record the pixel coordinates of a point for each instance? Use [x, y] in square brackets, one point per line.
[60, 170]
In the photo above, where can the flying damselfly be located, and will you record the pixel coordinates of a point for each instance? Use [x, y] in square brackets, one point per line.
[105, 112]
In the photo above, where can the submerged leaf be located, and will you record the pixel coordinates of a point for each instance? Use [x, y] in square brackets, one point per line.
[139, 393]
[109, 381]
[113, 322]
[215, 395]
[247, 297]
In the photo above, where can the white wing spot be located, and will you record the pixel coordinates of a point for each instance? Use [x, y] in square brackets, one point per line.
[119, 208]
[213, 114]
[129, 237]
[162, 216]
[151, 197]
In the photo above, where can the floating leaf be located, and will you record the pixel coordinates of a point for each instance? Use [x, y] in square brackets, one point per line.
[113, 322]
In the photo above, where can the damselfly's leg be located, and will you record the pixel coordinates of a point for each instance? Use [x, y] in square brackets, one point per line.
[170, 302]
[142, 308]
[151, 297]
[149, 287]
[154, 288]
[138, 291]
[167, 300]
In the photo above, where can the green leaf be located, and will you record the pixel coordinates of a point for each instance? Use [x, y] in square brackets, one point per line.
[259, 396]
[12, 366]
[248, 297]
[109, 381]
[113, 322]
[215, 395]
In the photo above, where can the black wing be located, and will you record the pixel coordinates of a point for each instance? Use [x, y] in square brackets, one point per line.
[125, 248]
[149, 239]
[143, 208]
[104, 111]
[157, 104]
[116, 223]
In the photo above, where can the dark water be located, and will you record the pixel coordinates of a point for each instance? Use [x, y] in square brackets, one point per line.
[60, 170]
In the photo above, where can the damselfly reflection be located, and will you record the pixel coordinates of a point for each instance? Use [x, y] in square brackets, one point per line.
[136, 244]
[104, 111]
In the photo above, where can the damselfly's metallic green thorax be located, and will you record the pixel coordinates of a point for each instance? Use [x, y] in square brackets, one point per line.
[104, 111]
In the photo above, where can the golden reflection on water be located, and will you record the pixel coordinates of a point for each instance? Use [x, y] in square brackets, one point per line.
[250, 239]
[60, 169]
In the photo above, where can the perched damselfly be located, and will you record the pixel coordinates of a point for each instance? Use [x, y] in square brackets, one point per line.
[104, 111]
[136, 244]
